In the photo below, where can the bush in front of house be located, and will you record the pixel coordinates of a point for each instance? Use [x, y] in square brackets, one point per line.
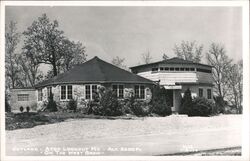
[201, 107]
[51, 106]
[72, 105]
[161, 102]
[21, 108]
[7, 105]
[106, 104]
[28, 109]
[220, 104]
[186, 102]
[140, 108]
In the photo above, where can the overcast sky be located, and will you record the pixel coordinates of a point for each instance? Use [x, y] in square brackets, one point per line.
[130, 31]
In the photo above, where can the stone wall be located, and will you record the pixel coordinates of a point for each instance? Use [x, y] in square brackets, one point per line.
[79, 94]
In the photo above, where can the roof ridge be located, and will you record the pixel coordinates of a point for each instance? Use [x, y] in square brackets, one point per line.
[100, 68]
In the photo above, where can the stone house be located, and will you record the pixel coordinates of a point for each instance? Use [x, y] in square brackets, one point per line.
[177, 75]
[83, 80]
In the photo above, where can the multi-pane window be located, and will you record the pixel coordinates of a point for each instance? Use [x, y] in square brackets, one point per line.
[154, 69]
[49, 91]
[166, 68]
[23, 97]
[118, 90]
[66, 92]
[209, 93]
[200, 92]
[69, 91]
[177, 69]
[87, 91]
[94, 91]
[90, 90]
[142, 92]
[40, 95]
[139, 91]
[63, 92]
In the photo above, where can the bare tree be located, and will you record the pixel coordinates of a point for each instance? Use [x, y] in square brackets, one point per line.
[119, 62]
[12, 38]
[165, 57]
[236, 85]
[189, 51]
[216, 57]
[146, 57]
[30, 69]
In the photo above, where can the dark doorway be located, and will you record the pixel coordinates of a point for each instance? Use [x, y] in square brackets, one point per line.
[170, 96]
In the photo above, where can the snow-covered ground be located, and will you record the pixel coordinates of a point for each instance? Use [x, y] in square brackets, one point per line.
[100, 128]
[87, 129]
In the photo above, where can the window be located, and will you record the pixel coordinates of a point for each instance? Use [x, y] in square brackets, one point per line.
[191, 69]
[142, 92]
[94, 88]
[40, 95]
[66, 92]
[209, 93]
[200, 92]
[139, 92]
[63, 92]
[166, 68]
[171, 69]
[119, 90]
[182, 69]
[204, 70]
[90, 90]
[87, 92]
[69, 92]
[49, 91]
[177, 69]
[186, 69]
[23, 97]
[161, 68]
[154, 69]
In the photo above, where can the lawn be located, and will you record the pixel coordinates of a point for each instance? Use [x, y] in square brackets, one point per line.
[15, 121]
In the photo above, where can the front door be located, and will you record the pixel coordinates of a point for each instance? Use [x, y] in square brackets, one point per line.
[170, 97]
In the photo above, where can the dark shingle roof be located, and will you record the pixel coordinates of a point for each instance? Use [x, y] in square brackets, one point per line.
[95, 71]
[174, 60]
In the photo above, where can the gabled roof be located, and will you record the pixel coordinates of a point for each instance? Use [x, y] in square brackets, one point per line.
[174, 60]
[95, 71]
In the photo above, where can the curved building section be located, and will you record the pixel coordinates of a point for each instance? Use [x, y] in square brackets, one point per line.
[177, 75]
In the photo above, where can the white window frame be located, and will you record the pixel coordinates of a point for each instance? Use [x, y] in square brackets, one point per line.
[140, 92]
[202, 92]
[66, 95]
[91, 92]
[118, 90]
[20, 97]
